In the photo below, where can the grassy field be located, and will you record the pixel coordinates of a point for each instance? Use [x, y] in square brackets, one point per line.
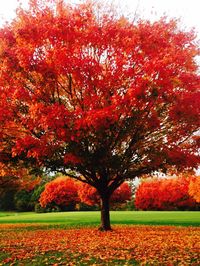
[93, 218]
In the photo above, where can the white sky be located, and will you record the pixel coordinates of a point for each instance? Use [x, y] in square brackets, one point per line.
[187, 10]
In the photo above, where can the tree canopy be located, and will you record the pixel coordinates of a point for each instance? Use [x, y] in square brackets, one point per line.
[166, 194]
[62, 191]
[194, 188]
[95, 93]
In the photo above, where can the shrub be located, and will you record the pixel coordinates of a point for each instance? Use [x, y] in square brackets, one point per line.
[39, 209]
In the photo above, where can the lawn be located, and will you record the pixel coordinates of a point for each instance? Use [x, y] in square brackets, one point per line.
[72, 238]
[93, 218]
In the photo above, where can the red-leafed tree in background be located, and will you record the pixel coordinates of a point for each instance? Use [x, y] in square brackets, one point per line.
[90, 196]
[92, 92]
[194, 188]
[165, 194]
[62, 191]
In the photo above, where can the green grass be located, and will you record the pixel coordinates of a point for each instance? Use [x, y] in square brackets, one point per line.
[78, 219]
[3, 214]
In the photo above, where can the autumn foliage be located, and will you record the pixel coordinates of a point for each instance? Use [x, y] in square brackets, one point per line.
[165, 194]
[85, 89]
[90, 196]
[194, 188]
[125, 245]
[16, 178]
[62, 191]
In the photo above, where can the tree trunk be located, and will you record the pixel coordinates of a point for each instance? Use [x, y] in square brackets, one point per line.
[105, 214]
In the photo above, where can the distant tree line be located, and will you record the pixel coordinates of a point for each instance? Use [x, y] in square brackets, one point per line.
[62, 193]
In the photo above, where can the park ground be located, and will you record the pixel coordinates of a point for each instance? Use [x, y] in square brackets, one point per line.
[73, 238]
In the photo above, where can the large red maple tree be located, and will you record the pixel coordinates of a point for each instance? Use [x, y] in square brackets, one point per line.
[97, 94]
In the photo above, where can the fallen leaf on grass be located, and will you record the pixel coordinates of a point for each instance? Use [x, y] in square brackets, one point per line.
[166, 245]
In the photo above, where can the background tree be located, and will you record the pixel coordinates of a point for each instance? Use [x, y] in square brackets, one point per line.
[194, 188]
[66, 193]
[14, 178]
[165, 194]
[90, 196]
[95, 93]
[62, 192]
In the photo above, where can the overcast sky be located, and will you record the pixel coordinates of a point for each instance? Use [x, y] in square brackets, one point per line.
[187, 10]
